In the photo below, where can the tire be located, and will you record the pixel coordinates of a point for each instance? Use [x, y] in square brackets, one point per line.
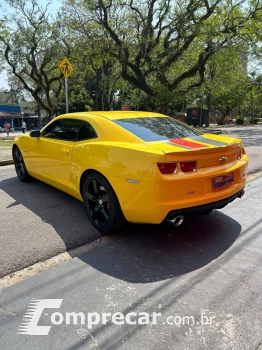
[101, 204]
[207, 212]
[20, 167]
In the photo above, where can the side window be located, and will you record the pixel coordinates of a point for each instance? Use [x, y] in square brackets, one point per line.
[62, 129]
[86, 132]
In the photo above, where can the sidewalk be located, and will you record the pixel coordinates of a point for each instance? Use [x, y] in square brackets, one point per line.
[11, 134]
[205, 287]
[5, 155]
[6, 151]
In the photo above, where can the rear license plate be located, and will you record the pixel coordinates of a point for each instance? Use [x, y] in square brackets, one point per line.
[222, 181]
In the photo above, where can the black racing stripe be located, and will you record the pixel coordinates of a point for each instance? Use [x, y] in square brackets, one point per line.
[208, 141]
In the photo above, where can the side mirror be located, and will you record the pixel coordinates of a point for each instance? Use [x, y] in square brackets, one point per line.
[35, 133]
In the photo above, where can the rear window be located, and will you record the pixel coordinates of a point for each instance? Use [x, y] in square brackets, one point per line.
[156, 129]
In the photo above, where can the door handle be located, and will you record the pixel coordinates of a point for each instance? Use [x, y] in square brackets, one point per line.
[65, 151]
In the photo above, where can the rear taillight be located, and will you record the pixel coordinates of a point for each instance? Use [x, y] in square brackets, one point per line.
[167, 168]
[188, 166]
[239, 154]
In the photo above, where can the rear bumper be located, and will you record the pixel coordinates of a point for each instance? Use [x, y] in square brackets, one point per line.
[200, 209]
[156, 195]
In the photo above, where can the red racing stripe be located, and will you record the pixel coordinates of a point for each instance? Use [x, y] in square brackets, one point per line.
[186, 143]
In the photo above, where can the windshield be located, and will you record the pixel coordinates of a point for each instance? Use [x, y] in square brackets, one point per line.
[156, 129]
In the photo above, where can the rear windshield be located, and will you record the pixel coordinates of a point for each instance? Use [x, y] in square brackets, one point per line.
[156, 129]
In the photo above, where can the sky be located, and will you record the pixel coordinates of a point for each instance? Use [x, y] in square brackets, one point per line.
[53, 7]
[3, 81]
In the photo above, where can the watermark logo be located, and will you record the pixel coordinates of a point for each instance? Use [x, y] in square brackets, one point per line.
[29, 325]
[31, 317]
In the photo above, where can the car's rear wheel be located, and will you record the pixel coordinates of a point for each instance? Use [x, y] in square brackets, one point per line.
[20, 167]
[101, 204]
[207, 212]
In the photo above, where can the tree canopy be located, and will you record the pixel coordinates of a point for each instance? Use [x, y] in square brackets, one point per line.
[32, 46]
[153, 53]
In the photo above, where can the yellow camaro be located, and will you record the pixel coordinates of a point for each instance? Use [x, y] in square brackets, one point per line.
[140, 167]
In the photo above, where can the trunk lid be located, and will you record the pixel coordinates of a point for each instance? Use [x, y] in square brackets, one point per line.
[208, 149]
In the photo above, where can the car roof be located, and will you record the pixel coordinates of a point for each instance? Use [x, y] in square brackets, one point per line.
[112, 115]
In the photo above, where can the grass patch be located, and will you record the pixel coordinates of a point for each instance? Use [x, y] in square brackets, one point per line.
[6, 143]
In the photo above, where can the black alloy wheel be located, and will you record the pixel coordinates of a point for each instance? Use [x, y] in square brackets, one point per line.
[101, 204]
[20, 167]
[207, 212]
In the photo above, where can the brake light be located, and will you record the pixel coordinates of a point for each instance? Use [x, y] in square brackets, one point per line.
[167, 168]
[188, 166]
[239, 154]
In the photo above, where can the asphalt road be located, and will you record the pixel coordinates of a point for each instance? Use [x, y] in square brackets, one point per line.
[204, 282]
[252, 139]
[37, 222]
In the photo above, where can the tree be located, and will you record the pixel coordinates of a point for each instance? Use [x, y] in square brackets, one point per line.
[226, 80]
[163, 46]
[91, 48]
[253, 105]
[32, 46]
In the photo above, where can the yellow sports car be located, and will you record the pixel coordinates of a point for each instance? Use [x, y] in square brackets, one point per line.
[140, 167]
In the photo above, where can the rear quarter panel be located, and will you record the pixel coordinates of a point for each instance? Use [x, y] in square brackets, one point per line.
[117, 162]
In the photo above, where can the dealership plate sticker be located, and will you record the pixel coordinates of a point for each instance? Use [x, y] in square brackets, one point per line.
[222, 181]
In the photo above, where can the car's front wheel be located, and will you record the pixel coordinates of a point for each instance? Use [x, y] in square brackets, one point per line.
[20, 167]
[101, 204]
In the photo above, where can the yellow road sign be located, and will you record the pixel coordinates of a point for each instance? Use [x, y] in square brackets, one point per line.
[65, 67]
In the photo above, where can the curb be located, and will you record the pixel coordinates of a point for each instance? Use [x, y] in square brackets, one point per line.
[6, 162]
[43, 265]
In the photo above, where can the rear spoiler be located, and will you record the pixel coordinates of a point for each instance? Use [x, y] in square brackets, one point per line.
[206, 150]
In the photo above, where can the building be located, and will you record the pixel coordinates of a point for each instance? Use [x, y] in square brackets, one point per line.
[11, 113]
[26, 111]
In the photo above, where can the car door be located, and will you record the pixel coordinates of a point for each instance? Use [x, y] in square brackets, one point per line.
[51, 152]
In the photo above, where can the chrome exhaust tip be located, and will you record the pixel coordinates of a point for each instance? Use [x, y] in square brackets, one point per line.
[177, 220]
[241, 195]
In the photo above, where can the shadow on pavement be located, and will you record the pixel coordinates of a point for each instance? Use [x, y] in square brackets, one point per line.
[146, 253]
[149, 253]
[63, 212]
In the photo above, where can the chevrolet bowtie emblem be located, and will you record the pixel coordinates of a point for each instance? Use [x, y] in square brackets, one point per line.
[222, 159]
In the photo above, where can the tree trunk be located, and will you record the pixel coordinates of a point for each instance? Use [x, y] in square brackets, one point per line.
[208, 108]
[162, 108]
